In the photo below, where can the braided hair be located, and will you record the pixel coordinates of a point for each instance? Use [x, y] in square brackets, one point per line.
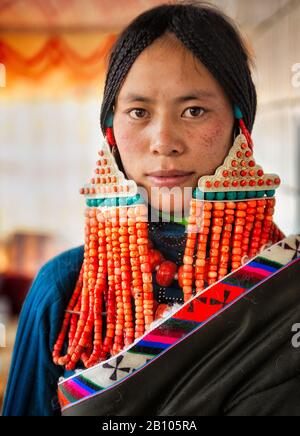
[204, 30]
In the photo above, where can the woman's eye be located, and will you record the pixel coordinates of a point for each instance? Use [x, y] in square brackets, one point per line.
[194, 112]
[138, 113]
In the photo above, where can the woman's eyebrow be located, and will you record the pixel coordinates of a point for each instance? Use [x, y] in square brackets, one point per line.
[130, 98]
[193, 95]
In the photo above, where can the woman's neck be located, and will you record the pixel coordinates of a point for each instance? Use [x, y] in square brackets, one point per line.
[159, 215]
[173, 218]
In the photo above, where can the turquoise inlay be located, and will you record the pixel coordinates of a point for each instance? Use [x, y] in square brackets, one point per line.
[129, 201]
[92, 202]
[123, 201]
[237, 112]
[137, 199]
[241, 195]
[107, 202]
[109, 119]
[251, 194]
[210, 196]
[220, 196]
[270, 193]
[231, 195]
[260, 194]
[198, 195]
[115, 201]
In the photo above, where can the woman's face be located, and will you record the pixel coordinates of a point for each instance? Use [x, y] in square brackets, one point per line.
[171, 115]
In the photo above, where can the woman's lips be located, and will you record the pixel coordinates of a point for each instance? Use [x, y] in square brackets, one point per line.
[169, 181]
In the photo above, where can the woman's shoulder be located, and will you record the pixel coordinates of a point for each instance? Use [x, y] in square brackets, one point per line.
[56, 279]
[63, 264]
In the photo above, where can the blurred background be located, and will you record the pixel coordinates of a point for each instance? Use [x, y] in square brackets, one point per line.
[52, 65]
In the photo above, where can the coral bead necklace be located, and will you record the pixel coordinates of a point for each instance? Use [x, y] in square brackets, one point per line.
[230, 220]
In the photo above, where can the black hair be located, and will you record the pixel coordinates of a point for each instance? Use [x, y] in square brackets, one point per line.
[204, 30]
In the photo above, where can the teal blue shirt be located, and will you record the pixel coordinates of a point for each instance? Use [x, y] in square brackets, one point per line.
[33, 379]
[32, 384]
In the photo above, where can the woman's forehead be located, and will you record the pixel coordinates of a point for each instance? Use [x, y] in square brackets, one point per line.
[191, 94]
[167, 66]
[167, 51]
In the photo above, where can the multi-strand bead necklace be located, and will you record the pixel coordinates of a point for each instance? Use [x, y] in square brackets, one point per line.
[113, 301]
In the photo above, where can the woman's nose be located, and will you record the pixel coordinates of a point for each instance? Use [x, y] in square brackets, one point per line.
[165, 139]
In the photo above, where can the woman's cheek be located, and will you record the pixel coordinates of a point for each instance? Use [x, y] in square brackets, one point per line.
[211, 145]
[131, 160]
[122, 138]
[213, 134]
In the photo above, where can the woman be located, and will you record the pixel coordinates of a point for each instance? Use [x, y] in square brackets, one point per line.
[179, 105]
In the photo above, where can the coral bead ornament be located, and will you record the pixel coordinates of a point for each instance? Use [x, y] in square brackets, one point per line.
[165, 274]
[155, 259]
[113, 305]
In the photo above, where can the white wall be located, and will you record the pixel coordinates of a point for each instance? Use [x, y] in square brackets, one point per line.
[277, 50]
[48, 150]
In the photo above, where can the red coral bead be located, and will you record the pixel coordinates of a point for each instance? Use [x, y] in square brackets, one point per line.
[159, 314]
[155, 258]
[180, 276]
[166, 273]
[110, 137]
